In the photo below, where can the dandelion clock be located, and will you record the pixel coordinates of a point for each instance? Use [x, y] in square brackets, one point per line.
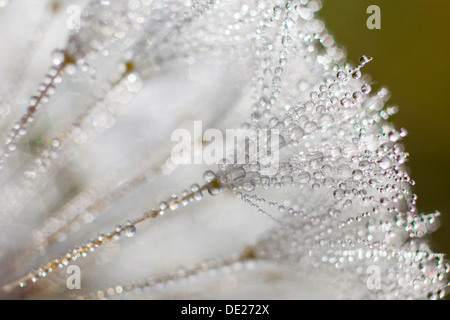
[200, 150]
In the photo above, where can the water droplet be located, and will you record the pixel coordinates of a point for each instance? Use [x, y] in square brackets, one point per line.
[195, 189]
[385, 163]
[341, 75]
[297, 133]
[129, 231]
[357, 95]
[277, 12]
[364, 59]
[339, 194]
[163, 205]
[366, 89]
[356, 74]
[208, 176]
[357, 174]
[289, 23]
[346, 103]
[58, 57]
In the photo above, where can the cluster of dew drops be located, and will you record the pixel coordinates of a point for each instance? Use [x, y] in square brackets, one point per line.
[336, 145]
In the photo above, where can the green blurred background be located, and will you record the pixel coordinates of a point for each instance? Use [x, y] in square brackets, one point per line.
[411, 58]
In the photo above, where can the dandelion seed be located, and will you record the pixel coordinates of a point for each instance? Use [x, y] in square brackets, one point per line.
[326, 197]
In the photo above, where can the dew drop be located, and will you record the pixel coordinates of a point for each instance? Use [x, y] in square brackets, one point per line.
[208, 176]
[366, 89]
[339, 194]
[364, 59]
[385, 163]
[129, 231]
[58, 57]
[356, 74]
[341, 75]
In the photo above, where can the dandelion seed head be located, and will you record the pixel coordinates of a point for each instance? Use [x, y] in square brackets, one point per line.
[337, 204]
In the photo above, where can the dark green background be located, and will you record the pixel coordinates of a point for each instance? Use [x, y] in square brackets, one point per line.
[411, 55]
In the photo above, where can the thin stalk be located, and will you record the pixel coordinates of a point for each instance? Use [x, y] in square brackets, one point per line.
[129, 230]
[53, 77]
[247, 255]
